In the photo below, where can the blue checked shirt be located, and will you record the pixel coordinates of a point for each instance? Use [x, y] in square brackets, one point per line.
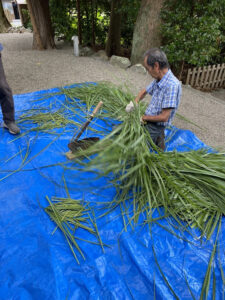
[165, 93]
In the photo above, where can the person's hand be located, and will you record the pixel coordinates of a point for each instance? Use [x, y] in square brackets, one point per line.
[142, 120]
[130, 107]
[136, 100]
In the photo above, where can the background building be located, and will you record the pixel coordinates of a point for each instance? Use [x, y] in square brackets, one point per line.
[14, 11]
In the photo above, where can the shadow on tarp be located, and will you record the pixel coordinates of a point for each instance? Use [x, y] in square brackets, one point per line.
[38, 265]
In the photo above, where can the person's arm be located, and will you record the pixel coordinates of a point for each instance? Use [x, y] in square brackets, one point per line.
[144, 92]
[163, 117]
[141, 95]
[169, 103]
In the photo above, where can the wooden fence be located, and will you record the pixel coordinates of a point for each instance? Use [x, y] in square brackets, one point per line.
[207, 78]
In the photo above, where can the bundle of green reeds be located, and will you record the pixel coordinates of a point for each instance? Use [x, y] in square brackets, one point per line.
[60, 114]
[45, 120]
[114, 98]
[71, 215]
[190, 186]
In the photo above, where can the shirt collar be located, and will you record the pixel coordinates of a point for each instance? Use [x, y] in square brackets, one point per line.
[163, 81]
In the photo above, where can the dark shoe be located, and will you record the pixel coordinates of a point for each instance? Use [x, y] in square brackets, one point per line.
[12, 127]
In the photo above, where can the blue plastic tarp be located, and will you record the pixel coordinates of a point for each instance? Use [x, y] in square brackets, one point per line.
[38, 265]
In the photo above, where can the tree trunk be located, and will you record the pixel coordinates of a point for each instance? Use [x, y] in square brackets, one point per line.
[147, 29]
[88, 23]
[4, 23]
[114, 34]
[43, 36]
[79, 22]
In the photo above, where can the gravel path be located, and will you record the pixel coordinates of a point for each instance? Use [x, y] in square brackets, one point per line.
[29, 70]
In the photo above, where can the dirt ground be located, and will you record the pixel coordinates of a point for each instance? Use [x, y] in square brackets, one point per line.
[29, 70]
[219, 93]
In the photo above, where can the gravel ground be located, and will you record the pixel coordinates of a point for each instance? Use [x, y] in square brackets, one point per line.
[29, 70]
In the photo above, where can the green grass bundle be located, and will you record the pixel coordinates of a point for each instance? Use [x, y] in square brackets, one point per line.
[71, 215]
[114, 98]
[190, 186]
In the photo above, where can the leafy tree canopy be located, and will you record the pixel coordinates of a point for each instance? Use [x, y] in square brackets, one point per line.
[93, 13]
[194, 31]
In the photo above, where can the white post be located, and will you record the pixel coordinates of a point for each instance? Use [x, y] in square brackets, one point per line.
[75, 45]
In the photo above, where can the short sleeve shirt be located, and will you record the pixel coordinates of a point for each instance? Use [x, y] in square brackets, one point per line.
[165, 93]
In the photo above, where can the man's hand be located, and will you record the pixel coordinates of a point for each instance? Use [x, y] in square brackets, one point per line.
[130, 107]
[163, 117]
[142, 120]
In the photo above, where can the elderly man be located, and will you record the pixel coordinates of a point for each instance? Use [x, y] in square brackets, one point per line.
[6, 101]
[165, 91]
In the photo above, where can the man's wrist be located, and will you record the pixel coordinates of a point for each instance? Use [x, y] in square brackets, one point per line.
[145, 118]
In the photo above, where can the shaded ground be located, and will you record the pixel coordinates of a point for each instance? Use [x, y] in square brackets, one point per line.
[219, 93]
[28, 70]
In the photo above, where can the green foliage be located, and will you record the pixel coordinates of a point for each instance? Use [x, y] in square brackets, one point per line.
[101, 14]
[129, 10]
[102, 27]
[26, 19]
[65, 20]
[193, 31]
[95, 19]
[62, 16]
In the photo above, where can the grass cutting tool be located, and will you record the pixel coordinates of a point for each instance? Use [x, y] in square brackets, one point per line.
[76, 144]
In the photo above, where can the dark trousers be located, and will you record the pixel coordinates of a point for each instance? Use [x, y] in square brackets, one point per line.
[6, 97]
[157, 134]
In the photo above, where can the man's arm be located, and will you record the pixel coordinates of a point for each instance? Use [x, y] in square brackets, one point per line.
[163, 117]
[141, 95]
